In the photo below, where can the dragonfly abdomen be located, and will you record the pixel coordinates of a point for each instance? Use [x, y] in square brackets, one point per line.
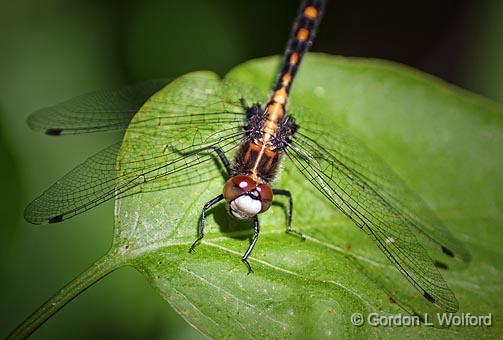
[276, 127]
[301, 38]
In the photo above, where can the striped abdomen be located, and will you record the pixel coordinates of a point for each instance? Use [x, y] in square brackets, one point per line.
[301, 37]
[270, 129]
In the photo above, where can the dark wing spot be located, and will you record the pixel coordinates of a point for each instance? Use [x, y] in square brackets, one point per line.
[428, 297]
[392, 300]
[56, 219]
[447, 252]
[53, 132]
[440, 265]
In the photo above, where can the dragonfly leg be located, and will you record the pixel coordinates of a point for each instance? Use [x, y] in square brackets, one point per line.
[252, 244]
[223, 158]
[202, 222]
[220, 154]
[289, 229]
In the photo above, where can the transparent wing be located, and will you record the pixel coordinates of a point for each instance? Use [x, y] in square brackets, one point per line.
[168, 144]
[95, 181]
[371, 169]
[103, 110]
[346, 186]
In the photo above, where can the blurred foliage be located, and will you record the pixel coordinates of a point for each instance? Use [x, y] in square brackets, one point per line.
[56, 49]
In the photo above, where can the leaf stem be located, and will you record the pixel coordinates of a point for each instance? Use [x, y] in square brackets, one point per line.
[94, 273]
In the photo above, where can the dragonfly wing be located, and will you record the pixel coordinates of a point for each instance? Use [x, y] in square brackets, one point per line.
[371, 169]
[165, 145]
[104, 110]
[97, 180]
[89, 184]
[350, 191]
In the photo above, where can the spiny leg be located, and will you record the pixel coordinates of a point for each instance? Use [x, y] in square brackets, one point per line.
[202, 222]
[215, 200]
[289, 229]
[223, 158]
[220, 154]
[252, 244]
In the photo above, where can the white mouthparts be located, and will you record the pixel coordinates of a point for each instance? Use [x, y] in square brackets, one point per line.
[245, 207]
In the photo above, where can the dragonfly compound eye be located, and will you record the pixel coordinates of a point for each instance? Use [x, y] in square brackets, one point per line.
[237, 186]
[265, 193]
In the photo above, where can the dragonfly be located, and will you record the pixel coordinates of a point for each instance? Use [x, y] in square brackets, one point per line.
[261, 135]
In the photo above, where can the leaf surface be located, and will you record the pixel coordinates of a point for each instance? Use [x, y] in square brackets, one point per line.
[444, 142]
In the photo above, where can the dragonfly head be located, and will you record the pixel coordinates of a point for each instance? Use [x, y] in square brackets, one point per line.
[246, 197]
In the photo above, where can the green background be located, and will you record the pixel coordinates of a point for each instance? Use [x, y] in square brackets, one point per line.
[53, 50]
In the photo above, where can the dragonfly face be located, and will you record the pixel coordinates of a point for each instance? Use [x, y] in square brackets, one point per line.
[246, 197]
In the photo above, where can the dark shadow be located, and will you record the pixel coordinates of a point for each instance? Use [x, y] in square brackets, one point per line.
[231, 226]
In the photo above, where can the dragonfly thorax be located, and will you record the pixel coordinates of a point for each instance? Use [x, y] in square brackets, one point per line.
[246, 197]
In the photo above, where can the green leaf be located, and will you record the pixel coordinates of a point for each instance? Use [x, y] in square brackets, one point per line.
[313, 287]
[444, 142]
